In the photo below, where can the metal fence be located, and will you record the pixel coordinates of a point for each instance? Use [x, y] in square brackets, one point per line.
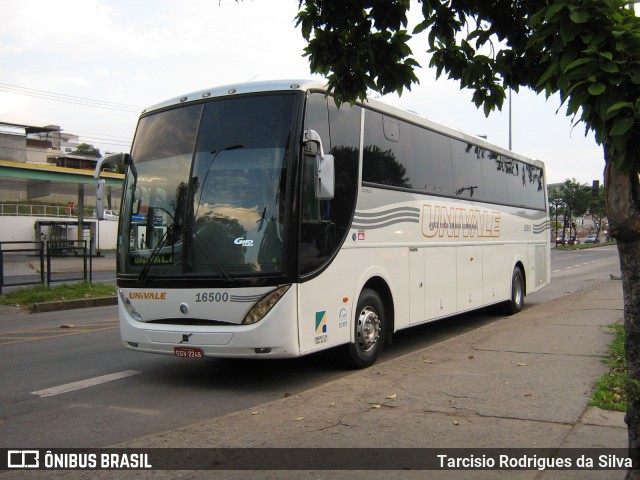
[26, 210]
[17, 256]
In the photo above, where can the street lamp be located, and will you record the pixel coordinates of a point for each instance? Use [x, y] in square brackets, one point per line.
[556, 202]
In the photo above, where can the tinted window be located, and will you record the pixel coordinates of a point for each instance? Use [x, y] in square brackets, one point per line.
[427, 157]
[465, 162]
[536, 189]
[228, 217]
[345, 146]
[525, 186]
[382, 160]
[326, 222]
[494, 177]
[417, 158]
[420, 159]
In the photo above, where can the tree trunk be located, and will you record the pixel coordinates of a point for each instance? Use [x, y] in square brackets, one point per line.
[622, 191]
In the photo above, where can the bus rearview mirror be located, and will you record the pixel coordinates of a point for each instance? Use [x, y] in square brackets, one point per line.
[324, 172]
[100, 199]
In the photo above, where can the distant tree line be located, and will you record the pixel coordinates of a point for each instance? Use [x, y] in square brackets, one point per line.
[572, 200]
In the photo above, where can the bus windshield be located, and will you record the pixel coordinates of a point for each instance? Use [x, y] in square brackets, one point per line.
[206, 191]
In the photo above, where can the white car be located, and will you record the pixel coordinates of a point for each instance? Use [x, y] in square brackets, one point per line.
[592, 238]
[111, 215]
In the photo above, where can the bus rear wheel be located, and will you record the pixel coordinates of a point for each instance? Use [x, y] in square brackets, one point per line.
[369, 330]
[516, 303]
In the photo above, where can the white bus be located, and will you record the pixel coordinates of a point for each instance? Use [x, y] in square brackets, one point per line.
[260, 220]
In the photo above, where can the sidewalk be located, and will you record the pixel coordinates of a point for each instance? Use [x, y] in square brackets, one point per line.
[74, 264]
[21, 265]
[518, 382]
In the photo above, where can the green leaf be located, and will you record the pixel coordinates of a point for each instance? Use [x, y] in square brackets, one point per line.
[421, 27]
[550, 72]
[597, 89]
[621, 127]
[609, 68]
[607, 55]
[615, 107]
[553, 9]
[579, 16]
[576, 63]
[575, 102]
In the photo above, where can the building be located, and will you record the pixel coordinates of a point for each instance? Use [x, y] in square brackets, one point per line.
[41, 176]
[24, 143]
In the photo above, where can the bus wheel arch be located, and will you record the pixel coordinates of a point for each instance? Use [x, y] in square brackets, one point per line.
[373, 324]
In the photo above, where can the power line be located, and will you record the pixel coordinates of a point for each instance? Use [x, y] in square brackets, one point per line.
[71, 99]
[102, 138]
[84, 137]
[89, 137]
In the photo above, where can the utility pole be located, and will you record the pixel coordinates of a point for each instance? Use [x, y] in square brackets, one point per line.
[509, 119]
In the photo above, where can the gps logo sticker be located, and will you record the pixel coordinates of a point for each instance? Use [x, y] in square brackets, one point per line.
[243, 241]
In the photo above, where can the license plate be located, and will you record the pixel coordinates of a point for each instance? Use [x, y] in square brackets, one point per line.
[188, 352]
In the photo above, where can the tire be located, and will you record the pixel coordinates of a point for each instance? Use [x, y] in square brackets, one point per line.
[516, 303]
[369, 330]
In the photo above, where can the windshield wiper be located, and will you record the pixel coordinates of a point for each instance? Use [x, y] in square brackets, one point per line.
[214, 262]
[154, 253]
[263, 218]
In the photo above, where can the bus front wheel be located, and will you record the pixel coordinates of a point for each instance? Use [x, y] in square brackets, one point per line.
[369, 330]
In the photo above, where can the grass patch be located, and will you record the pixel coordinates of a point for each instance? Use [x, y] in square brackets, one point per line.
[26, 297]
[610, 391]
[582, 246]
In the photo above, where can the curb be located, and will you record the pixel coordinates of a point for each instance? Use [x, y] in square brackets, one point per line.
[73, 304]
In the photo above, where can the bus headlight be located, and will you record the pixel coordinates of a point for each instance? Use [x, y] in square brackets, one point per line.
[129, 307]
[262, 307]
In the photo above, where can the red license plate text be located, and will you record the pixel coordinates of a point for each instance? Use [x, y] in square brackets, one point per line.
[188, 352]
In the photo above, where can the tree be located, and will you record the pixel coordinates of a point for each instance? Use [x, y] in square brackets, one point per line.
[598, 210]
[587, 51]
[87, 150]
[575, 198]
[556, 207]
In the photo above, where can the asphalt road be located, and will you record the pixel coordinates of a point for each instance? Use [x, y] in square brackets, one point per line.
[78, 387]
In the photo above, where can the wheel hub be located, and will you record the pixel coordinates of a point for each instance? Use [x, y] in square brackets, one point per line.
[368, 330]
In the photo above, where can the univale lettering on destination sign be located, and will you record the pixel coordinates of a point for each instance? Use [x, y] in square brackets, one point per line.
[159, 260]
[457, 222]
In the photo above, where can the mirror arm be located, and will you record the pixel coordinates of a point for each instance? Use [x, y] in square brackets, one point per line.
[312, 136]
[100, 164]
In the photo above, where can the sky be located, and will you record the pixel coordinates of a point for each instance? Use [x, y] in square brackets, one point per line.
[91, 66]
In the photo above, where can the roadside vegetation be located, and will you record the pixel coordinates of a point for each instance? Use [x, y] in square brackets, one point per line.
[25, 298]
[582, 246]
[611, 389]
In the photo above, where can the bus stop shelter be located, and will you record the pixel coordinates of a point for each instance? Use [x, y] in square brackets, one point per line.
[40, 180]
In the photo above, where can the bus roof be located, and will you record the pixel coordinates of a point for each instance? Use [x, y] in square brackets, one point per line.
[239, 89]
[306, 85]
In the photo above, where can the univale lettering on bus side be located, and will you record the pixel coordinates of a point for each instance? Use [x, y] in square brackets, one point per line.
[459, 222]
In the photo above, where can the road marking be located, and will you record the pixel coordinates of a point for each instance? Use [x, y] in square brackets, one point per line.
[582, 264]
[90, 382]
[45, 333]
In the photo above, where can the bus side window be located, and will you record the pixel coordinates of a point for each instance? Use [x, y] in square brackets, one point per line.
[317, 118]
